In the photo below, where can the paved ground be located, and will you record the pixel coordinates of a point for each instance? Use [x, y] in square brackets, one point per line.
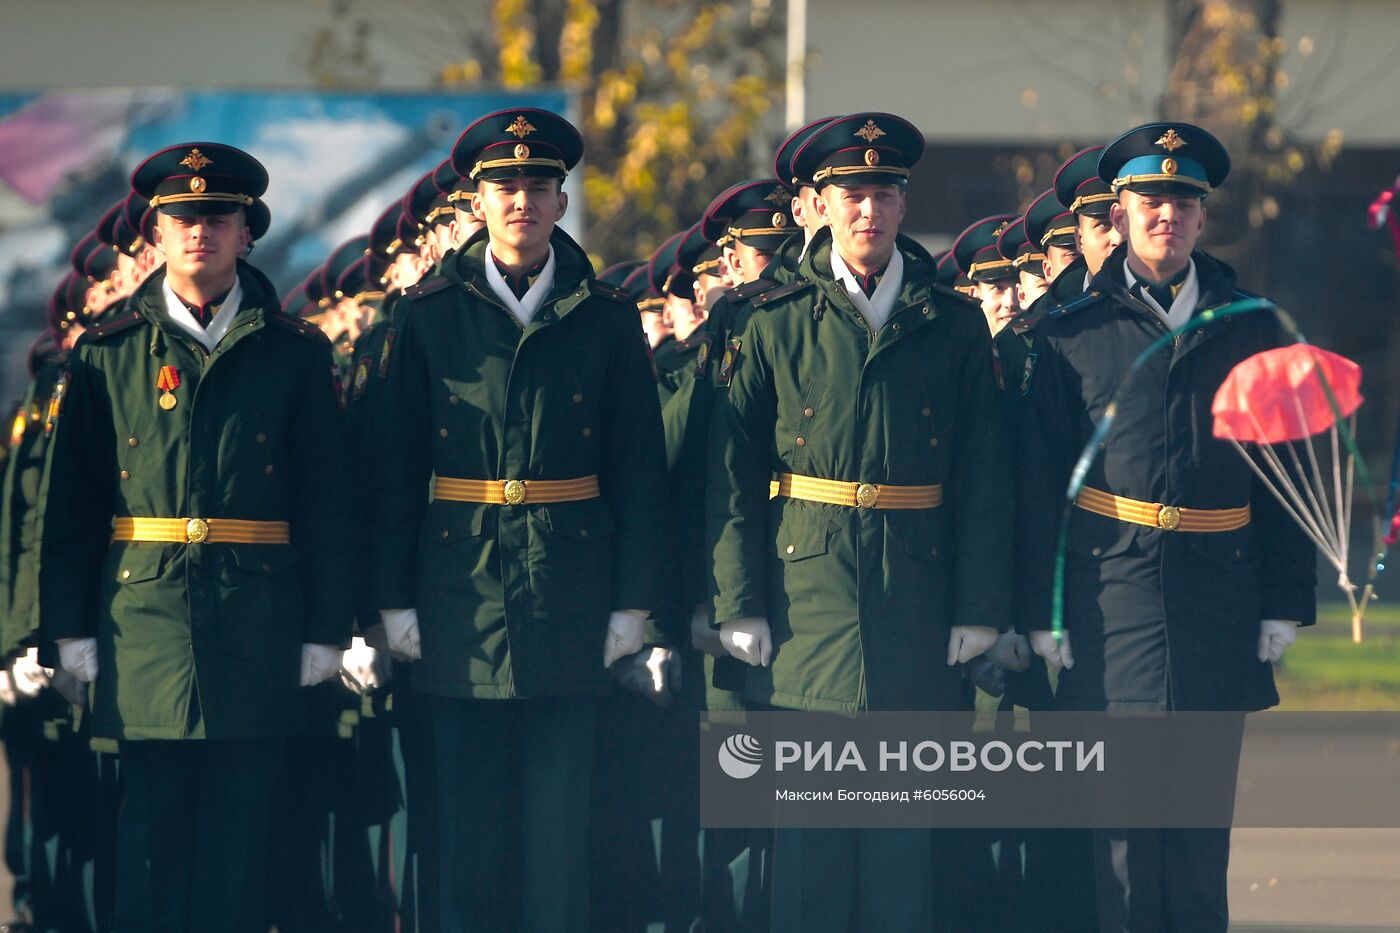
[1281, 880]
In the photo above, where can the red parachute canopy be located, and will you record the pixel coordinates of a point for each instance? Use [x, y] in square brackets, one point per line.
[1277, 396]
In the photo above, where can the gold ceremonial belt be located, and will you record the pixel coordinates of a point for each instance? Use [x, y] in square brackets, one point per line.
[1156, 515]
[855, 495]
[200, 531]
[515, 491]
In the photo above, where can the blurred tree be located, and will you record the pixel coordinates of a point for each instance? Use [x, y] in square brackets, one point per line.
[1225, 76]
[676, 97]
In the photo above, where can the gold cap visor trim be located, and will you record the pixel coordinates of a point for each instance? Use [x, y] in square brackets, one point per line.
[516, 163]
[1187, 180]
[838, 171]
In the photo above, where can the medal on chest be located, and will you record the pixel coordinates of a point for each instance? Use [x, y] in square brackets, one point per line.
[168, 381]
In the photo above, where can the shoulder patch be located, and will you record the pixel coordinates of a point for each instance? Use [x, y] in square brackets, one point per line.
[428, 286]
[604, 290]
[748, 290]
[781, 292]
[1076, 304]
[115, 326]
[384, 352]
[297, 326]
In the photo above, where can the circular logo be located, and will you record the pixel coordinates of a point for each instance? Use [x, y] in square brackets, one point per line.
[522, 151]
[740, 756]
[1169, 166]
[779, 219]
[197, 185]
[872, 157]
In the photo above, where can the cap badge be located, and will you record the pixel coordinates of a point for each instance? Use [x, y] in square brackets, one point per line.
[197, 185]
[870, 132]
[779, 195]
[779, 220]
[1169, 167]
[522, 151]
[196, 160]
[1000, 229]
[521, 127]
[872, 157]
[1170, 141]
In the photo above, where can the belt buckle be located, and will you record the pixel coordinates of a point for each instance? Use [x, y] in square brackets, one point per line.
[196, 531]
[1168, 518]
[867, 494]
[514, 491]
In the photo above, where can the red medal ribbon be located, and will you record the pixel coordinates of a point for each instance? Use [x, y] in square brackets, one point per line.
[169, 379]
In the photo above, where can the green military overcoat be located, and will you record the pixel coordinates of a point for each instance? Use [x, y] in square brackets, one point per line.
[860, 601]
[513, 600]
[198, 640]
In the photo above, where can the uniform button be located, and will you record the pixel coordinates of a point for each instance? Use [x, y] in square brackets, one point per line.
[895, 327]
[808, 412]
[442, 432]
[452, 400]
[126, 574]
[1097, 551]
[578, 398]
[126, 475]
[933, 552]
[267, 568]
[587, 432]
[927, 412]
[132, 442]
[802, 442]
[260, 437]
[791, 548]
[583, 532]
[933, 442]
[268, 469]
[926, 310]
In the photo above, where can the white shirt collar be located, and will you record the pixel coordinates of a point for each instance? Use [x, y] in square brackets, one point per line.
[207, 337]
[1183, 305]
[875, 309]
[523, 308]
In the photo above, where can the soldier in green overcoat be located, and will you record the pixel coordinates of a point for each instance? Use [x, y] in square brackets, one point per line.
[193, 539]
[858, 502]
[519, 389]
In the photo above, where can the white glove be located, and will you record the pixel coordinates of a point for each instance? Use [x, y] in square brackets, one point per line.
[362, 668]
[653, 672]
[7, 688]
[1011, 652]
[1055, 653]
[318, 663]
[966, 642]
[29, 675]
[69, 687]
[401, 633]
[702, 636]
[78, 656]
[1275, 635]
[624, 634]
[748, 639]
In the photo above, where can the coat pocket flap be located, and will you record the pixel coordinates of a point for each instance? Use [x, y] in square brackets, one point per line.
[140, 562]
[263, 558]
[922, 533]
[803, 537]
[585, 520]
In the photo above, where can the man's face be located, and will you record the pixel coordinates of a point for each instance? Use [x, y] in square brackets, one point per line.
[1097, 238]
[99, 297]
[203, 248]
[746, 264]
[726, 269]
[656, 327]
[708, 289]
[998, 303]
[1029, 288]
[684, 315]
[463, 228]
[1056, 259]
[864, 221]
[1161, 229]
[351, 316]
[806, 212]
[406, 269]
[125, 277]
[520, 213]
